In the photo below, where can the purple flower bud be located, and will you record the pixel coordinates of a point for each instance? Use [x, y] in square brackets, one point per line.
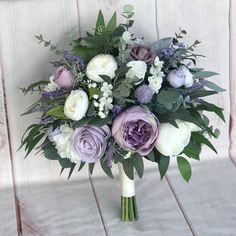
[63, 77]
[144, 94]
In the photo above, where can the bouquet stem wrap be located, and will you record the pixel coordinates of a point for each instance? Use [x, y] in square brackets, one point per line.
[128, 200]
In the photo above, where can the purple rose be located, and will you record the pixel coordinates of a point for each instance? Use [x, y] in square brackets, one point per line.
[142, 53]
[63, 77]
[136, 130]
[89, 143]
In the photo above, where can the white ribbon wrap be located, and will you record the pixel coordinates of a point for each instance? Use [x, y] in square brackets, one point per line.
[127, 185]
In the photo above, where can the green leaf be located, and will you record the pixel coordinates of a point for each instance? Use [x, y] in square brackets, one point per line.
[151, 156]
[112, 23]
[211, 108]
[65, 163]
[138, 165]
[106, 78]
[105, 167]
[99, 122]
[94, 91]
[33, 142]
[201, 139]
[128, 168]
[161, 44]
[202, 93]
[71, 169]
[100, 20]
[118, 31]
[82, 122]
[184, 168]
[204, 74]
[212, 86]
[30, 87]
[193, 150]
[163, 165]
[196, 69]
[91, 168]
[82, 163]
[57, 112]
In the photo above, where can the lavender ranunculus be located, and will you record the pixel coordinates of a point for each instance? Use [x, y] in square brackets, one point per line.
[136, 130]
[142, 53]
[89, 143]
[63, 77]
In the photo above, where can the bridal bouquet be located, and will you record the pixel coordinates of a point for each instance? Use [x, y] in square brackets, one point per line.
[117, 99]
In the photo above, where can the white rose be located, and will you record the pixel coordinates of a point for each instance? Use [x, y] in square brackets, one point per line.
[76, 105]
[137, 71]
[171, 140]
[102, 64]
[63, 141]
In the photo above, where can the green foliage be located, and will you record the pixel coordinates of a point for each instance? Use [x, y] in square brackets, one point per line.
[184, 168]
[31, 88]
[213, 86]
[168, 100]
[105, 167]
[206, 106]
[57, 112]
[204, 74]
[162, 44]
[138, 164]
[193, 150]
[163, 164]
[50, 152]
[128, 166]
[199, 138]
[202, 93]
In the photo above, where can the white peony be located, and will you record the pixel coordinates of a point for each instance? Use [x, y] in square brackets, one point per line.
[76, 105]
[102, 64]
[137, 71]
[179, 77]
[62, 141]
[171, 140]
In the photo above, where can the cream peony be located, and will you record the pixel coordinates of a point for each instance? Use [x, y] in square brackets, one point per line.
[171, 140]
[76, 105]
[137, 71]
[102, 64]
[62, 141]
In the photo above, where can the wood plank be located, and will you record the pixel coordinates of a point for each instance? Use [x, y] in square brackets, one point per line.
[159, 214]
[208, 199]
[206, 21]
[8, 219]
[49, 205]
[232, 25]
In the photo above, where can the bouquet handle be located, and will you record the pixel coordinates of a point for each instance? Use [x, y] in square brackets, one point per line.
[128, 200]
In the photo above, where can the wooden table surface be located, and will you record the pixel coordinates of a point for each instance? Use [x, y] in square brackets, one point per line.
[35, 200]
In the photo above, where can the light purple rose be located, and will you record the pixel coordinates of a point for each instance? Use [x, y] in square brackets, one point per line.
[89, 143]
[136, 130]
[63, 77]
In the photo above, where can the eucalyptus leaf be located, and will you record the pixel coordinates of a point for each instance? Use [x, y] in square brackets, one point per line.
[204, 74]
[212, 86]
[162, 44]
